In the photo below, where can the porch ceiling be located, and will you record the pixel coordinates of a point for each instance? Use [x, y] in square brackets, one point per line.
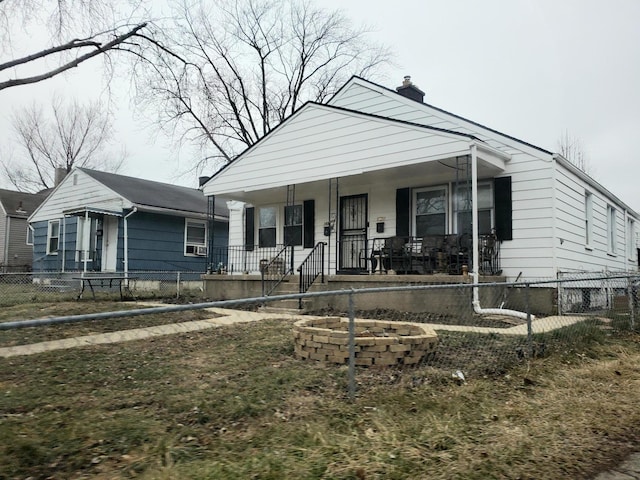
[434, 172]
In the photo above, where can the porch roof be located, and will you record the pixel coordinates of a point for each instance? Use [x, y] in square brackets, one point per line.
[321, 142]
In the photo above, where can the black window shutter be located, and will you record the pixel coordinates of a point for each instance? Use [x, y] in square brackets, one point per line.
[504, 211]
[403, 214]
[309, 220]
[249, 228]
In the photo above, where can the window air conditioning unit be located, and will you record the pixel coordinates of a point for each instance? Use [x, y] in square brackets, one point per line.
[201, 250]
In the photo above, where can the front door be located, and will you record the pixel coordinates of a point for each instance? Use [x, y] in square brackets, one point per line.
[352, 249]
[109, 243]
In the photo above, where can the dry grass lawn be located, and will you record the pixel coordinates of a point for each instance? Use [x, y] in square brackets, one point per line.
[233, 403]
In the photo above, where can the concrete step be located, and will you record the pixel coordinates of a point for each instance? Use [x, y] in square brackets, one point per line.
[280, 310]
[284, 306]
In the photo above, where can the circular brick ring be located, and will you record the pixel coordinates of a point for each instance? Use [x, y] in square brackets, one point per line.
[377, 342]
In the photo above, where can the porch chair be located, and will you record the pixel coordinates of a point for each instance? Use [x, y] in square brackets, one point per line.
[431, 246]
[395, 254]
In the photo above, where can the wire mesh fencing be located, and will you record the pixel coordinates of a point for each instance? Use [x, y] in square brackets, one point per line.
[28, 287]
[455, 331]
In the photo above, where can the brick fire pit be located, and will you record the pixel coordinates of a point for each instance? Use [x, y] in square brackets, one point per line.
[377, 342]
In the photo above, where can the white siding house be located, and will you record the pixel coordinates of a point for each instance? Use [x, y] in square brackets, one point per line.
[375, 163]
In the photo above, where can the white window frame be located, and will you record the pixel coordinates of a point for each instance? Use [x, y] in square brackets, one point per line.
[611, 229]
[191, 247]
[278, 224]
[30, 234]
[631, 235]
[588, 219]
[51, 237]
[414, 207]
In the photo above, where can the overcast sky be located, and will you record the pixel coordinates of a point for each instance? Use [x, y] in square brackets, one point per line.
[530, 69]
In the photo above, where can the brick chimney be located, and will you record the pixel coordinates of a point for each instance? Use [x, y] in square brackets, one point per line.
[409, 90]
[59, 175]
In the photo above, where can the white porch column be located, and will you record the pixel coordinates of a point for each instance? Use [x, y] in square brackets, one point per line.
[86, 237]
[125, 227]
[474, 212]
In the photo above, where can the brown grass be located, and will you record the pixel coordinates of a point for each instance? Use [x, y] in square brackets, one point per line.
[232, 403]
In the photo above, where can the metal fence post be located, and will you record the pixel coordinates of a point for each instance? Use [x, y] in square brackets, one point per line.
[529, 326]
[352, 349]
[177, 284]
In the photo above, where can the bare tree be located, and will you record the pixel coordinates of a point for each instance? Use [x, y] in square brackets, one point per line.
[570, 147]
[79, 30]
[236, 69]
[74, 135]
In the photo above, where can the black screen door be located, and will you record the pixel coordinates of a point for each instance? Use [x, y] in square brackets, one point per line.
[353, 233]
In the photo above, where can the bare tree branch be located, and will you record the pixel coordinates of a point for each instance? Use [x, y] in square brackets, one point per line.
[99, 49]
[238, 68]
[75, 135]
[570, 147]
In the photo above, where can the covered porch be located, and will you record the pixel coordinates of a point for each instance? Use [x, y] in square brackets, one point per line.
[443, 214]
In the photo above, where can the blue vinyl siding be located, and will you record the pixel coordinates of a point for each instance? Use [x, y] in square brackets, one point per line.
[68, 236]
[156, 243]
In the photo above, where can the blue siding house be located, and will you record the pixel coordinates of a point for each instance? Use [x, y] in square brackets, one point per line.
[102, 222]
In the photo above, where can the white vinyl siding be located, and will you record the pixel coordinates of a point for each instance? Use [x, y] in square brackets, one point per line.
[85, 192]
[319, 143]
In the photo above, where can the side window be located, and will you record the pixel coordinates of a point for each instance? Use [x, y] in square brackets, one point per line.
[267, 226]
[631, 235]
[29, 235]
[53, 237]
[293, 225]
[195, 237]
[611, 228]
[588, 218]
[462, 204]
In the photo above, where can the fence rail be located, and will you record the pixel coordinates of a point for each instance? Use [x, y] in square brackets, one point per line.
[471, 339]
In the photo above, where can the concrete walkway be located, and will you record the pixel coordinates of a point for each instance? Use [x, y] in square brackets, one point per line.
[229, 317]
[627, 470]
[223, 317]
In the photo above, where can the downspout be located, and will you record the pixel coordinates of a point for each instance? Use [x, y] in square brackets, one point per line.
[126, 240]
[5, 247]
[63, 229]
[476, 247]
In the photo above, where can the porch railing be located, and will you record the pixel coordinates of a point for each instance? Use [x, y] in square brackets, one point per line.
[275, 270]
[310, 268]
[240, 258]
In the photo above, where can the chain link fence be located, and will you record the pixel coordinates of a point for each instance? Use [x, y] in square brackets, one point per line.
[28, 287]
[469, 330]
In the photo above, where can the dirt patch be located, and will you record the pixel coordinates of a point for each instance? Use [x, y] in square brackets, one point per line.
[418, 317]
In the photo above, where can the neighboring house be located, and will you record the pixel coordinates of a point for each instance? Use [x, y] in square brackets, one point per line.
[15, 237]
[98, 221]
[374, 163]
